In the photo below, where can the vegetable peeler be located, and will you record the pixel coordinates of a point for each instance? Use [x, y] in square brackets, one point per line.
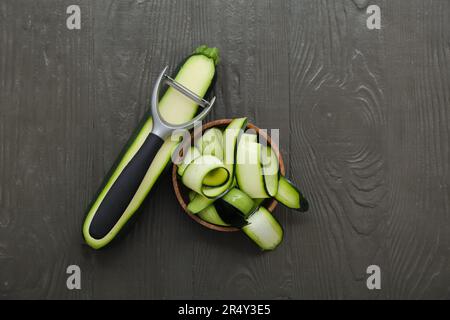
[123, 189]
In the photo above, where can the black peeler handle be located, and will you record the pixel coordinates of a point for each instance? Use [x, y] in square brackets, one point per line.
[124, 188]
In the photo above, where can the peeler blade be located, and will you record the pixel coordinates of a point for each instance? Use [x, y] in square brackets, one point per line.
[161, 127]
[182, 89]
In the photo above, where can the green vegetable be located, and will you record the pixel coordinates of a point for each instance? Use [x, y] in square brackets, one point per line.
[290, 196]
[270, 170]
[197, 73]
[250, 166]
[264, 229]
[209, 214]
[204, 169]
[192, 153]
[212, 143]
[249, 172]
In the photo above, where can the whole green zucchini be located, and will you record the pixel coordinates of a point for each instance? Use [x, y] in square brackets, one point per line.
[197, 73]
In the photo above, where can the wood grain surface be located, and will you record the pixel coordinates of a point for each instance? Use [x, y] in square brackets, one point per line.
[364, 130]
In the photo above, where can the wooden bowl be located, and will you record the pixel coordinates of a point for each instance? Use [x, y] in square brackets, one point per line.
[181, 191]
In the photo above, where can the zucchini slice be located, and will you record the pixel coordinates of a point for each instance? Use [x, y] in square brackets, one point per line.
[234, 207]
[270, 168]
[191, 154]
[230, 214]
[216, 178]
[198, 203]
[248, 137]
[197, 73]
[209, 214]
[249, 174]
[240, 201]
[231, 136]
[290, 196]
[230, 139]
[258, 201]
[264, 229]
[212, 143]
[206, 169]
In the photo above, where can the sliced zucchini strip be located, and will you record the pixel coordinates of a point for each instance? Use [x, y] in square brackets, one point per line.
[198, 203]
[230, 214]
[192, 153]
[230, 138]
[196, 172]
[290, 196]
[249, 137]
[209, 214]
[234, 207]
[264, 229]
[258, 201]
[249, 174]
[270, 168]
[212, 143]
[216, 178]
[240, 201]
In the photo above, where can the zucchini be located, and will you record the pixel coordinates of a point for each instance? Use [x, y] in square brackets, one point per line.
[198, 74]
[230, 140]
[216, 178]
[263, 229]
[248, 137]
[198, 203]
[237, 209]
[290, 196]
[230, 214]
[249, 174]
[212, 143]
[206, 168]
[206, 174]
[258, 201]
[257, 168]
[209, 214]
[270, 168]
[231, 192]
[240, 201]
[195, 174]
[231, 136]
[192, 153]
[234, 207]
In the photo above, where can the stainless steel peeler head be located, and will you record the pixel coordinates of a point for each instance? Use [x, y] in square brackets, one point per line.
[161, 127]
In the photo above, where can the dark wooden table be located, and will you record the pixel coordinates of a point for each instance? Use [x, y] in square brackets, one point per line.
[364, 118]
